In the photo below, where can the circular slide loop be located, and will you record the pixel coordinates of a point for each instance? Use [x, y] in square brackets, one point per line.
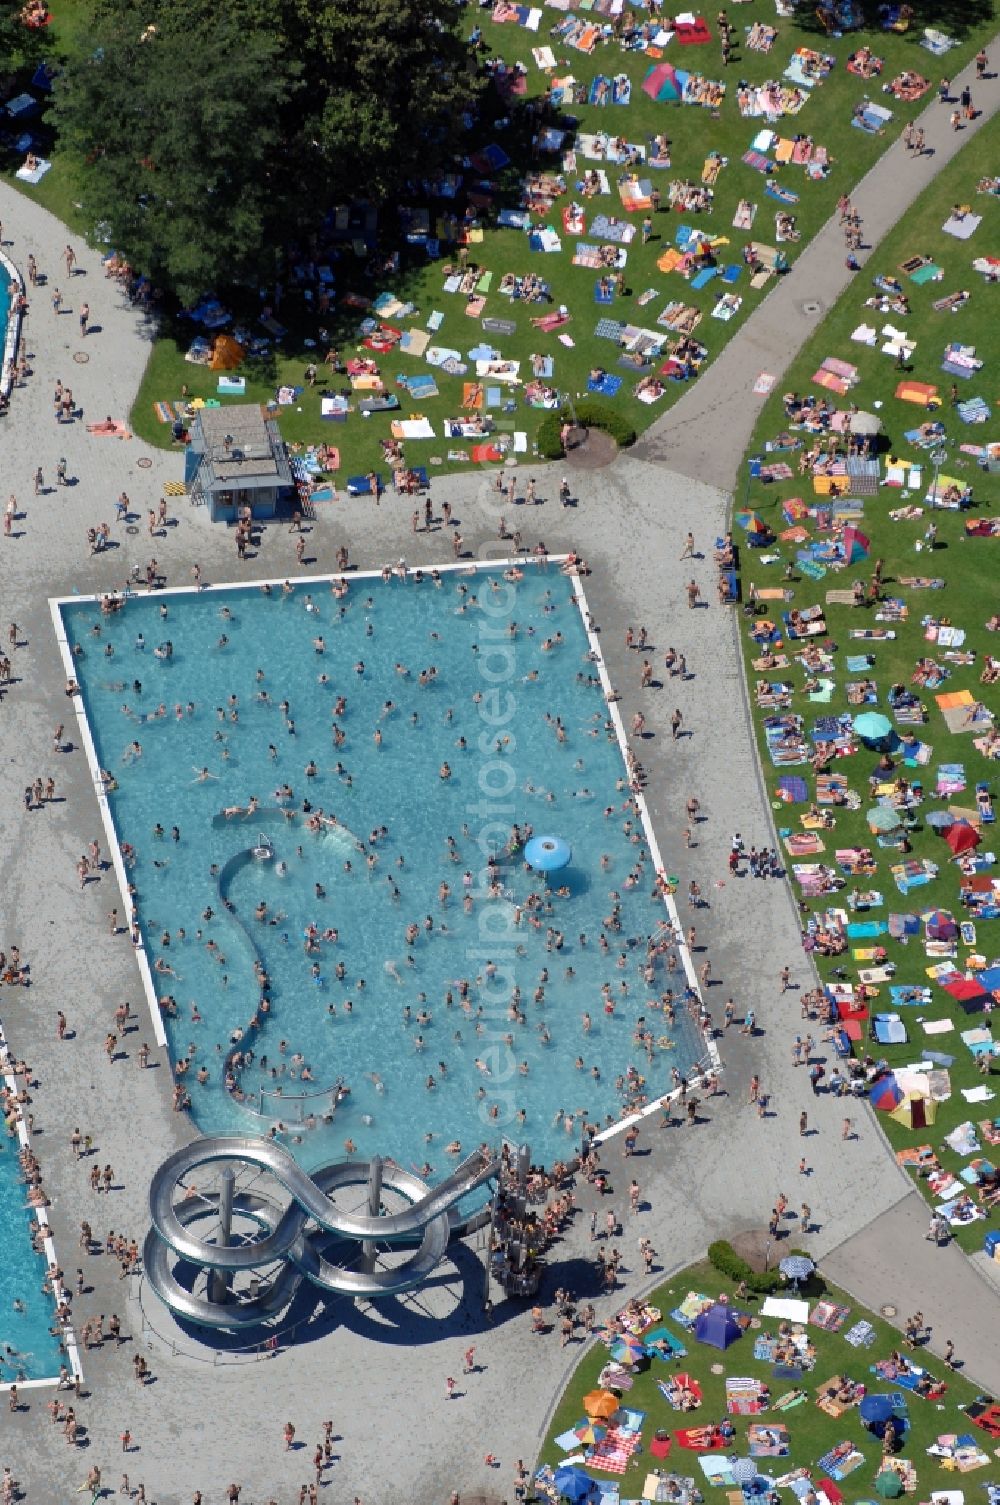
[292, 1238]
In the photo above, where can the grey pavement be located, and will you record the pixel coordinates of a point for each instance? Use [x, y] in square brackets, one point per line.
[892, 1263]
[379, 1373]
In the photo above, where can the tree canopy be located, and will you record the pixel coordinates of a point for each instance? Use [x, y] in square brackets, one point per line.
[207, 137]
[387, 83]
[178, 126]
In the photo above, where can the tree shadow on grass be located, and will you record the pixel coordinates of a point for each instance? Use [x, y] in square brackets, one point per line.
[955, 17]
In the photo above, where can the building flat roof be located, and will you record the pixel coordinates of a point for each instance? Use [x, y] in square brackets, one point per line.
[242, 447]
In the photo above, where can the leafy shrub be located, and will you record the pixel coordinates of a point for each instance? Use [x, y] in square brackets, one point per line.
[596, 415]
[723, 1257]
[548, 438]
[593, 415]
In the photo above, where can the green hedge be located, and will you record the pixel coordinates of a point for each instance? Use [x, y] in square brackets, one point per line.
[591, 415]
[595, 415]
[548, 438]
[724, 1258]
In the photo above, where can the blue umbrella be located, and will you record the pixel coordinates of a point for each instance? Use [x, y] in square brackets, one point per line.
[796, 1267]
[871, 726]
[875, 1410]
[574, 1485]
[940, 820]
[743, 1470]
[548, 853]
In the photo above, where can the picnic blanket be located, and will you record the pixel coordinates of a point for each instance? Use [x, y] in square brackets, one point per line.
[661, 1343]
[841, 1460]
[745, 1395]
[679, 1391]
[690, 1308]
[767, 1441]
[701, 1439]
[861, 1335]
[613, 1453]
[829, 1316]
[110, 428]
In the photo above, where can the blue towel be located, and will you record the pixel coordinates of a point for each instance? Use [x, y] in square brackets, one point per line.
[704, 276]
[607, 386]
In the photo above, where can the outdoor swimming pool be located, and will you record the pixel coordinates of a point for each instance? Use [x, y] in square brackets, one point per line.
[27, 1349]
[422, 1031]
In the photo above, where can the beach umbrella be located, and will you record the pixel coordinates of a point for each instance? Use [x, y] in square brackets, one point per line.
[962, 837]
[875, 1410]
[751, 521]
[857, 545]
[939, 820]
[574, 1484]
[663, 84]
[883, 818]
[589, 1432]
[871, 726]
[627, 1349]
[548, 853]
[796, 1267]
[600, 1403]
[889, 1485]
[940, 925]
[743, 1470]
[863, 424]
[886, 1094]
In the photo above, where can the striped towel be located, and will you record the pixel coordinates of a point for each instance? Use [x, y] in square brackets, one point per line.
[758, 161]
[164, 412]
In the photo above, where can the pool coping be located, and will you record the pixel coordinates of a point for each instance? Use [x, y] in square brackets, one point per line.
[13, 330]
[709, 1064]
[41, 1217]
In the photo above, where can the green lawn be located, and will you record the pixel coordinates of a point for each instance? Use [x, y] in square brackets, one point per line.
[694, 132]
[967, 566]
[811, 1431]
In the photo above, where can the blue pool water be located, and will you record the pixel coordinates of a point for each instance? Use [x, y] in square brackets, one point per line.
[501, 689]
[27, 1349]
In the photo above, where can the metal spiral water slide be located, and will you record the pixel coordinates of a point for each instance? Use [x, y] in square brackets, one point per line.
[293, 1236]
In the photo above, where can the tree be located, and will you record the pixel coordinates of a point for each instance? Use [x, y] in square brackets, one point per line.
[21, 46]
[209, 137]
[179, 126]
[387, 83]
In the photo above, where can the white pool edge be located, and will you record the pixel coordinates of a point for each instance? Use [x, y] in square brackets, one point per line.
[711, 1049]
[13, 330]
[41, 1217]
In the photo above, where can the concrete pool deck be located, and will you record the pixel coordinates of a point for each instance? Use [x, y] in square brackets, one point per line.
[204, 1424]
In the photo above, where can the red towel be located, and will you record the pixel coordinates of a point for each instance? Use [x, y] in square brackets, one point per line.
[693, 1441]
[689, 34]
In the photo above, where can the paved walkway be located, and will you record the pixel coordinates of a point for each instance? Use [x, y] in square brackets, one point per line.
[892, 1263]
[719, 1178]
[706, 434]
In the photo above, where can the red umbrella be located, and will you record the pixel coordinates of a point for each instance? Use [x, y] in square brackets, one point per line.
[962, 837]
